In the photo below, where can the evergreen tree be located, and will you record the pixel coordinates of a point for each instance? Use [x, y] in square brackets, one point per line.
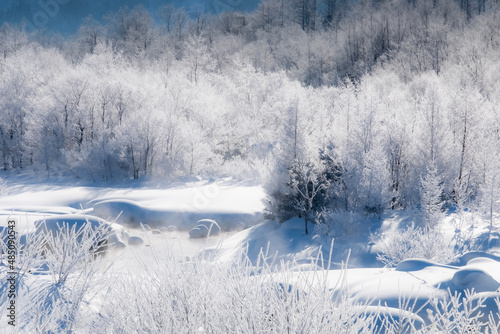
[431, 192]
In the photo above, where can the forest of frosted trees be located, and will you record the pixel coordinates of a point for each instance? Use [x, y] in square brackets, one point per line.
[371, 104]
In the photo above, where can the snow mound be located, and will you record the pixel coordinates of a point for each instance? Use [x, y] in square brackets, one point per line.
[475, 279]
[467, 257]
[132, 214]
[418, 264]
[135, 241]
[127, 212]
[481, 274]
[269, 239]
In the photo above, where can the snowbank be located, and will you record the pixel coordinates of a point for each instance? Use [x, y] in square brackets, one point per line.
[413, 281]
[132, 214]
[270, 240]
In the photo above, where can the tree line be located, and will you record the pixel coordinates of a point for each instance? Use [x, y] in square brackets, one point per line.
[359, 106]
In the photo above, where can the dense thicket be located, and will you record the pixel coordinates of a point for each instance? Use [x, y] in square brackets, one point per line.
[375, 103]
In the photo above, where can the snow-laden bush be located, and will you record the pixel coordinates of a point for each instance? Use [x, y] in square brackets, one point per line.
[456, 312]
[57, 274]
[461, 313]
[201, 296]
[415, 242]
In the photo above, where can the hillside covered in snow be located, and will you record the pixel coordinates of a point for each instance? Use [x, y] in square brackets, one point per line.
[239, 167]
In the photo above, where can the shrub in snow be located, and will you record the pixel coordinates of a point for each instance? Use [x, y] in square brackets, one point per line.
[202, 297]
[82, 243]
[456, 312]
[30, 249]
[465, 312]
[414, 242]
[109, 234]
[80, 227]
[66, 264]
[156, 231]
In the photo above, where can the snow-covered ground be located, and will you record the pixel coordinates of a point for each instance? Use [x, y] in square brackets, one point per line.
[170, 211]
[151, 224]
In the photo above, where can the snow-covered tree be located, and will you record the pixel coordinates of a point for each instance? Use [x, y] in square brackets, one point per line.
[308, 184]
[431, 192]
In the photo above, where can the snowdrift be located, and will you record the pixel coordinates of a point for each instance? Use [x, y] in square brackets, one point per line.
[131, 214]
[414, 282]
